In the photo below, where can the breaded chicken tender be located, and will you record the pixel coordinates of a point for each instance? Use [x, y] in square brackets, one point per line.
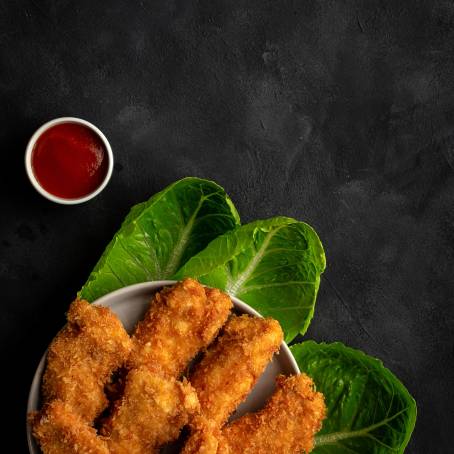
[82, 357]
[233, 364]
[181, 320]
[205, 438]
[286, 425]
[59, 430]
[152, 412]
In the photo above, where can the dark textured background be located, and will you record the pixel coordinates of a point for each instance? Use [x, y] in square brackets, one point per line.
[337, 113]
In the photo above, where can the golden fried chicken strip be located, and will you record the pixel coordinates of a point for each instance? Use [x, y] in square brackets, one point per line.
[233, 364]
[152, 412]
[82, 357]
[205, 438]
[59, 430]
[202, 442]
[181, 320]
[286, 425]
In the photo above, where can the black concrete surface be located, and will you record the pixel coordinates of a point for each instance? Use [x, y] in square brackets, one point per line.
[337, 113]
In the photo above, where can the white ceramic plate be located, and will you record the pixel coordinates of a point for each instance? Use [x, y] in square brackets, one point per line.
[130, 304]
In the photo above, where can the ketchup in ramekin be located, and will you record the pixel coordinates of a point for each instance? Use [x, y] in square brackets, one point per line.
[70, 160]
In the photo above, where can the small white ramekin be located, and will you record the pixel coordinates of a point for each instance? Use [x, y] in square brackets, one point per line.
[35, 182]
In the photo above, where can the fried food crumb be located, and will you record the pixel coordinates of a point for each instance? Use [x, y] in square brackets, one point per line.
[232, 366]
[82, 357]
[152, 411]
[59, 430]
[204, 439]
[286, 425]
[181, 320]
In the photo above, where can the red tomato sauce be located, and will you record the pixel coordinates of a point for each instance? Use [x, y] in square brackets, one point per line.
[69, 160]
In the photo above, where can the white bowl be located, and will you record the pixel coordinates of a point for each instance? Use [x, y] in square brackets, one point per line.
[130, 304]
[31, 174]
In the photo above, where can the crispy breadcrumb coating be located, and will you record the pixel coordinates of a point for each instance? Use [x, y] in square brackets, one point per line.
[152, 412]
[59, 430]
[233, 364]
[181, 320]
[82, 357]
[204, 439]
[286, 425]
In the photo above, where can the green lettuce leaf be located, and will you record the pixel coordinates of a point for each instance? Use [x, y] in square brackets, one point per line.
[272, 265]
[369, 409]
[160, 235]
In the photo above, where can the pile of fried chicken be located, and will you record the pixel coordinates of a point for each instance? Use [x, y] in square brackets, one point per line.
[150, 401]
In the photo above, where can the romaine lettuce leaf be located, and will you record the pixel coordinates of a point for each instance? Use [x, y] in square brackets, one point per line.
[369, 409]
[272, 265]
[160, 235]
